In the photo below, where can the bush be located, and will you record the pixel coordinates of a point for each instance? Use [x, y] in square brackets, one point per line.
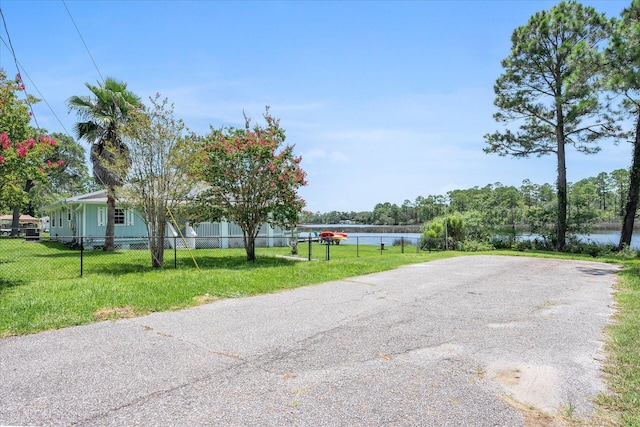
[431, 243]
[405, 242]
[436, 228]
[523, 245]
[576, 246]
[474, 246]
[626, 253]
[503, 241]
[433, 230]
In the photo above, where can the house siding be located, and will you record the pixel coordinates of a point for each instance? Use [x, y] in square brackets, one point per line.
[135, 227]
[85, 216]
[60, 226]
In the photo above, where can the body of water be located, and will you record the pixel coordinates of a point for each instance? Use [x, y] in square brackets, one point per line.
[377, 238]
[373, 237]
[607, 238]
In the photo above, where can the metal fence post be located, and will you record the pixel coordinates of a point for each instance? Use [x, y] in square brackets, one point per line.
[309, 246]
[81, 255]
[402, 243]
[328, 252]
[175, 252]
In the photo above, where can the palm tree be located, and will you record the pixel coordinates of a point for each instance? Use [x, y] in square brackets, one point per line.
[101, 116]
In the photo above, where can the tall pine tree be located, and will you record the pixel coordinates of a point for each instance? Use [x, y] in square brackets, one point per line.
[550, 90]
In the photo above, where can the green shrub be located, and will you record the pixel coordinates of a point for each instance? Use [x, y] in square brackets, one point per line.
[474, 246]
[626, 253]
[431, 243]
[502, 241]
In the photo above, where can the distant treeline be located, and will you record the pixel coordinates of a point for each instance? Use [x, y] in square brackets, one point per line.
[347, 228]
[591, 200]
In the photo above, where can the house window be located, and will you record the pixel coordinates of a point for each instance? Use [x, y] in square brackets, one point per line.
[122, 216]
[53, 219]
[60, 219]
[102, 216]
[119, 218]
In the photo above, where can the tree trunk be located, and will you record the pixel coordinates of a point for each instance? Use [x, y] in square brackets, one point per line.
[251, 248]
[15, 220]
[561, 185]
[157, 249]
[111, 220]
[562, 203]
[249, 237]
[634, 192]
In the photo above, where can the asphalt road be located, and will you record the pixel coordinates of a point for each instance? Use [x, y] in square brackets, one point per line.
[434, 344]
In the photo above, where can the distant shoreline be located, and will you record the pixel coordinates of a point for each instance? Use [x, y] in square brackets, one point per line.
[361, 228]
[417, 228]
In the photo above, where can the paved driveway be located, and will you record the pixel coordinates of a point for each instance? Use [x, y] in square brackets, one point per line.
[434, 344]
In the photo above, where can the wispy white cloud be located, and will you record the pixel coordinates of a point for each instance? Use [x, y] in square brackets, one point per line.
[313, 155]
[339, 157]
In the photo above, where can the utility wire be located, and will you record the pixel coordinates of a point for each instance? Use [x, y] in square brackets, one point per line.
[23, 70]
[15, 61]
[83, 42]
[20, 68]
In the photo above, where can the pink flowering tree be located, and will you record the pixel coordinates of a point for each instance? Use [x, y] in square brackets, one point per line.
[25, 157]
[22, 164]
[251, 179]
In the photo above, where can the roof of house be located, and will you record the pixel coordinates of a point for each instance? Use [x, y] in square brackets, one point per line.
[99, 196]
[23, 218]
[96, 196]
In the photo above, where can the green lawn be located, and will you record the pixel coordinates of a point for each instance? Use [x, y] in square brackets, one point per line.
[622, 407]
[41, 288]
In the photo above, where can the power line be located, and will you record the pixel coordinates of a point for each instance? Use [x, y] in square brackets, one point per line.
[83, 42]
[23, 70]
[15, 61]
[20, 68]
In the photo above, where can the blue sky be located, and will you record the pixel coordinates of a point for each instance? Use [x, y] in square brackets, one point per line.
[385, 101]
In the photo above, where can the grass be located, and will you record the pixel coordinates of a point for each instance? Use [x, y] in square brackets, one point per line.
[621, 407]
[40, 289]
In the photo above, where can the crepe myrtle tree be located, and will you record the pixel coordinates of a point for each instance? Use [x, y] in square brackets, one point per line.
[23, 164]
[251, 178]
[26, 157]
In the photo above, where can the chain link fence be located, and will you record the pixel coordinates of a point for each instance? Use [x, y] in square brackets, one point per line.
[41, 257]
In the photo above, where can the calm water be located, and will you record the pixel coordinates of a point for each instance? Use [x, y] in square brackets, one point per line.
[611, 238]
[600, 237]
[375, 238]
